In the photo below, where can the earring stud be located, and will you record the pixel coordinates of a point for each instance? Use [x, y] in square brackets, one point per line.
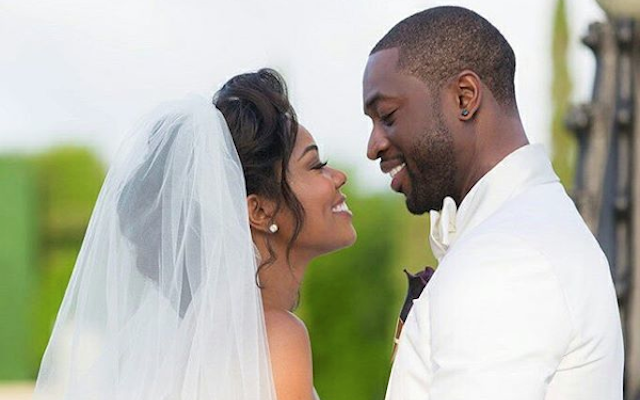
[273, 228]
[465, 112]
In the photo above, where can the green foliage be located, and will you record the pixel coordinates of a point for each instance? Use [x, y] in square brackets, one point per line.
[69, 180]
[351, 299]
[52, 283]
[564, 143]
[46, 204]
[18, 249]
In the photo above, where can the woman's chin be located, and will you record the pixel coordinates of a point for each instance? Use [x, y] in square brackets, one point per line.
[353, 237]
[345, 240]
[335, 241]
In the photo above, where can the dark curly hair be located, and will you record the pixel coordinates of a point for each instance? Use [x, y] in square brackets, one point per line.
[264, 128]
[439, 42]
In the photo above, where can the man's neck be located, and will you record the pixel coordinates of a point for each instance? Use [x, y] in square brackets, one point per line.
[499, 140]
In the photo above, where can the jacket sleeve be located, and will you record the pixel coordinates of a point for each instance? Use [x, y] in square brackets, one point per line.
[499, 323]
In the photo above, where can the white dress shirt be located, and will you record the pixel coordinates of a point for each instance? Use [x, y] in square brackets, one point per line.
[522, 305]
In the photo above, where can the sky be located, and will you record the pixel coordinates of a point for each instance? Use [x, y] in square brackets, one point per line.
[84, 71]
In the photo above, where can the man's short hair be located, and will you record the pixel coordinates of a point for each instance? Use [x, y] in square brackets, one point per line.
[440, 42]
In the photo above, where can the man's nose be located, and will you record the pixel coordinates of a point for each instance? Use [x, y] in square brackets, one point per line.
[378, 143]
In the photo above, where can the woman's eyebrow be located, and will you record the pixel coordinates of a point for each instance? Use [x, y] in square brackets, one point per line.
[308, 149]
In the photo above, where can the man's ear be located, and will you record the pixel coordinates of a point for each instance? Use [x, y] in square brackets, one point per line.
[469, 93]
[261, 212]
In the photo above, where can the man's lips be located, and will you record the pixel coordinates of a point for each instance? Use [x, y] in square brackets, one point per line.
[396, 169]
[397, 174]
[388, 165]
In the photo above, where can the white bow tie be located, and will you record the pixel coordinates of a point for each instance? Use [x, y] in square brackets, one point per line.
[443, 228]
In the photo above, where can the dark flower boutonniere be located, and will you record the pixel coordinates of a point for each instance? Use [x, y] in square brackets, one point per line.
[417, 283]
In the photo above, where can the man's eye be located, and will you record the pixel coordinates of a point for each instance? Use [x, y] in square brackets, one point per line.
[387, 118]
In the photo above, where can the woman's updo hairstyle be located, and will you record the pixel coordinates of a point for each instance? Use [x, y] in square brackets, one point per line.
[264, 128]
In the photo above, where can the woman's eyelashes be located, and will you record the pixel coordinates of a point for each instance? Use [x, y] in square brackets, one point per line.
[320, 165]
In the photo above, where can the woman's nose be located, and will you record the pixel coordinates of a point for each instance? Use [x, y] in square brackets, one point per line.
[339, 177]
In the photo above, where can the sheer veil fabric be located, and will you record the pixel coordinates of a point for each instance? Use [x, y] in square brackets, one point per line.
[163, 302]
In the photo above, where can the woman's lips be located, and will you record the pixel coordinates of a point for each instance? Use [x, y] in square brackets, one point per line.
[341, 208]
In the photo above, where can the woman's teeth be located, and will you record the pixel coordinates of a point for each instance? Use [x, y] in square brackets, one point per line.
[397, 169]
[342, 207]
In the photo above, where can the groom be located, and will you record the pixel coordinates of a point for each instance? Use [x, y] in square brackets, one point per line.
[522, 305]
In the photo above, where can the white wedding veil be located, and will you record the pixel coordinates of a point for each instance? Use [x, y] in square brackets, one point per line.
[163, 302]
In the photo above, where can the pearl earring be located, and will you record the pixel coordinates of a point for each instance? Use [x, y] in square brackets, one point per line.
[273, 228]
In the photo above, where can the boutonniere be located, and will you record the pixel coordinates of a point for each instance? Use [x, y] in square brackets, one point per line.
[417, 283]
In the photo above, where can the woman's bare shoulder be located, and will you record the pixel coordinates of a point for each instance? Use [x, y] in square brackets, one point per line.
[286, 325]
[290, 351]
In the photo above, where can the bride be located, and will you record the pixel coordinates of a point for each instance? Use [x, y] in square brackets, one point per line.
[194, 256]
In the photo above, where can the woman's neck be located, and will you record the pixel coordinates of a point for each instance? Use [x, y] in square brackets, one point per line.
[281, 280]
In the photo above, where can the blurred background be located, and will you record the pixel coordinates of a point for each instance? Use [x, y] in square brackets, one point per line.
[75, 74]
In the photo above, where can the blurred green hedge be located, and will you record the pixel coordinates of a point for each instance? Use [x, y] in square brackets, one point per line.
[50, 196]
[68, 182]
[18, 256]
[350, 299]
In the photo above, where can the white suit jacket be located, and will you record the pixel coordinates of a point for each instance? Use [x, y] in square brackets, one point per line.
[522, 305]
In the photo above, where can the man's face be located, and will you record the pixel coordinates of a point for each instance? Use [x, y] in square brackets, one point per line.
[409, 134]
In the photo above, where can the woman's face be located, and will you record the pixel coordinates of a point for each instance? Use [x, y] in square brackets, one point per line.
[327, 222]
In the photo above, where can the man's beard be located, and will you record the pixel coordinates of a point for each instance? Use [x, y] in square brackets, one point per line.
[435, 169]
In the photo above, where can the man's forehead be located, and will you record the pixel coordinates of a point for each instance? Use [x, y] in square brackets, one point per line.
[379, 76]
[381, 63]
[383, 80]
